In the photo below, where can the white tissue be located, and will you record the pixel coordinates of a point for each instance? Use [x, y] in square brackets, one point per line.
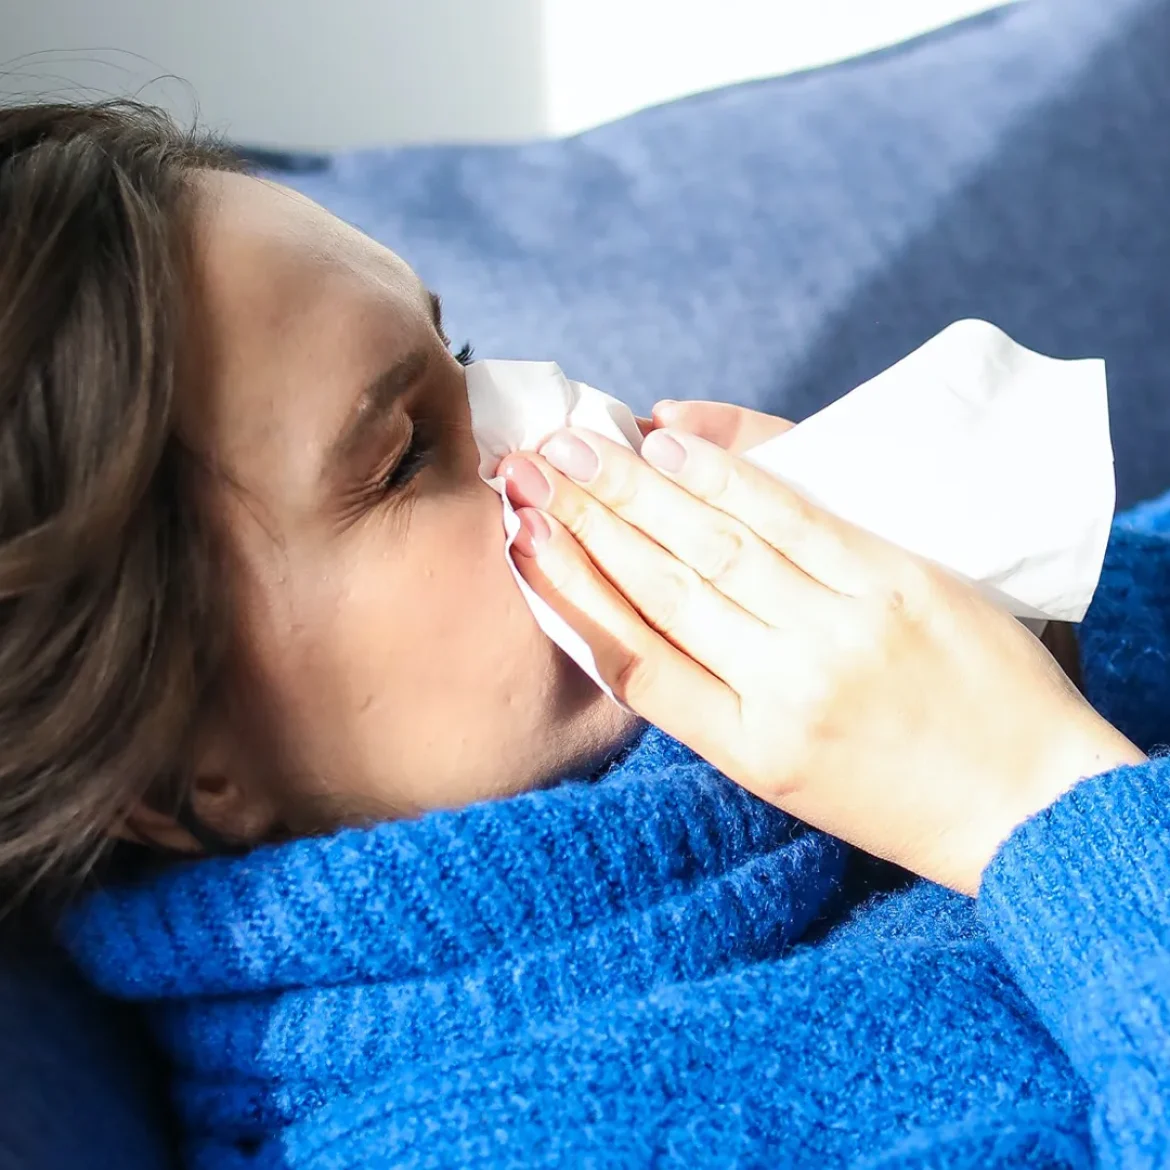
[989, 459]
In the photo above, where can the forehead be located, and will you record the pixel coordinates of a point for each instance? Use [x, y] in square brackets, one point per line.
[296, 312]
[242, 218]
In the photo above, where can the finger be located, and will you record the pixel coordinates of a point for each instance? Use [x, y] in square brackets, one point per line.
[641, 667]
[670, 595]
[734, 428]
[719, 548]
[645, 425]
[830, 550]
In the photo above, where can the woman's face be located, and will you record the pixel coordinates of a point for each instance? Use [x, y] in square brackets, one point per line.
[385, 659]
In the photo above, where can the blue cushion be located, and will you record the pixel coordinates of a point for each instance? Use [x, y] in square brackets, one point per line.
[777, 243]
[81, 1090]
[773, 243]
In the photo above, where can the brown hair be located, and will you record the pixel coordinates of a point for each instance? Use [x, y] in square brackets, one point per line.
[110, 621]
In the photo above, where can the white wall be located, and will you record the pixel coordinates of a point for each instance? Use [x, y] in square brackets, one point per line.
[607, 57]
[295, 72]
[330, 73]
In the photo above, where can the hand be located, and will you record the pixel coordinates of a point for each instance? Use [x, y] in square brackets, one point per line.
[734, 428]
[857, 686]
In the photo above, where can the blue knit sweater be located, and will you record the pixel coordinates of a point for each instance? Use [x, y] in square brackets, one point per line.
[658, 969]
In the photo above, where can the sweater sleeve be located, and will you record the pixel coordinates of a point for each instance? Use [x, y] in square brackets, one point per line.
[1125, 637]
[1078, 902]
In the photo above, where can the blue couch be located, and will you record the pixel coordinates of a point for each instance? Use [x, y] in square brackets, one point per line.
[774, 243]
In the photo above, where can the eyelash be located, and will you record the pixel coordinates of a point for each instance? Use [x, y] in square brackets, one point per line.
[464, 356]
[419, 453]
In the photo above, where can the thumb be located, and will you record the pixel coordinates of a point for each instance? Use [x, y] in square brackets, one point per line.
[734, 428]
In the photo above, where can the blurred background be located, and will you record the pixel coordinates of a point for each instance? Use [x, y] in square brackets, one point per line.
[777, 243]
[307, 73]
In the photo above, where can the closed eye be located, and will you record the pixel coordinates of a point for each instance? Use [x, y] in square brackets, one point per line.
[419, 453]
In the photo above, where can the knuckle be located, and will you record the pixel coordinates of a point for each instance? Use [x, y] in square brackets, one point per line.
[578, 515]
[912, 588]
[799, 508]
[886, 614]
[722, 556]
[793, 510]
[673, 593]
[709, 472]
[617, 484]
[794, 526]
[901, 591]
[774, 771]
[722, 478]
[634, 679]
[802, 518]
[562, 575]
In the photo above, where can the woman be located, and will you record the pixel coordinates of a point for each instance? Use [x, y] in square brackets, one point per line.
[254, 594]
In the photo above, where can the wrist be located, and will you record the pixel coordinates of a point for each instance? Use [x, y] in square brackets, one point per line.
[1090, 747]
[1085, 746]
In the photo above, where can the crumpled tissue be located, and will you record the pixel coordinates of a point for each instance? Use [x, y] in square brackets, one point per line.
[990, 460]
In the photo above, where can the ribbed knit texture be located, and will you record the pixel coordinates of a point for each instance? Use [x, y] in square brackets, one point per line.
[657, 969]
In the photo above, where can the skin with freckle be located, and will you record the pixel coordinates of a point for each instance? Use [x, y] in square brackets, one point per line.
[384, 658]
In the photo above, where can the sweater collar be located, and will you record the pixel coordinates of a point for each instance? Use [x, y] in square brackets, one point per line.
[660, 838]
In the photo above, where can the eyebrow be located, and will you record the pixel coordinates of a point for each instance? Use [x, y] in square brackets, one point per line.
[376, 401]
[373, 404]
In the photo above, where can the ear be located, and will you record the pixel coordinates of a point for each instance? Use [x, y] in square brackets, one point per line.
[226, 797]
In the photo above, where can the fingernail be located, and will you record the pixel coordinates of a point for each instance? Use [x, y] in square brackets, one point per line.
[534, 531]
[525, 483]
[571, 455]
[664, 452]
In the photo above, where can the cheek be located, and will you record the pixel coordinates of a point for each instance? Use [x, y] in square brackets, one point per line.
[411, 670]
[449, 680]
[457, 593]
[433, 633]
